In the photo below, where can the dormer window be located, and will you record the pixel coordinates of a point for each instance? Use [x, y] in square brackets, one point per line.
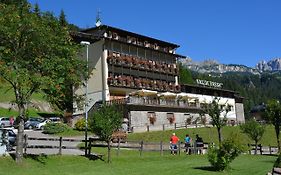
[156, 47]
[115, 36]
[129, 39]
[171, 50]
[109, 35]
[146, 44]
[134, 40]
[140, 43]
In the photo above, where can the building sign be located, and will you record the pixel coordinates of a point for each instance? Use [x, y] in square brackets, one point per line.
[209, 83]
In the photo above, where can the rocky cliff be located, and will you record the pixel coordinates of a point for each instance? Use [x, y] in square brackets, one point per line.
[212, 66]
[272, 65]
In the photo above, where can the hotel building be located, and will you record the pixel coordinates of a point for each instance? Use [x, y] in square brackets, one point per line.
[141, 74]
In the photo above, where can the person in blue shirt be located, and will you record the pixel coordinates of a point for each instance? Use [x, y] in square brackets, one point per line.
[187, 140]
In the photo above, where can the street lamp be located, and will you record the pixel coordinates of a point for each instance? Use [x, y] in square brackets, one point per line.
[86, 95]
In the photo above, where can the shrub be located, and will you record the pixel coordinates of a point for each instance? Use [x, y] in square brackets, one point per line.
[80, 124]
[54, 128]
[221, 156]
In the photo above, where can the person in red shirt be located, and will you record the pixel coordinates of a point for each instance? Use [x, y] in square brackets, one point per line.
[174, 141]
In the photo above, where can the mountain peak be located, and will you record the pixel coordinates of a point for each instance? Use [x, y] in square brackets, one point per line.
[272, 65]
[213, 66]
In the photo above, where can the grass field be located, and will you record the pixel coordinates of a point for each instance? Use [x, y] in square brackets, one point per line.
[8, 113]
[131, 163]
[7, 94]
[209, 134]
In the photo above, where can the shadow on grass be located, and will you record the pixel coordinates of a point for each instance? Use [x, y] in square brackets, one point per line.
[205, 168]
[41, 158]
[94, 157]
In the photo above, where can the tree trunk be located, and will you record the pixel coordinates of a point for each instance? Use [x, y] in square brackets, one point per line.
[68, 118]
[108, 152]
[219, 134]
[19, 148]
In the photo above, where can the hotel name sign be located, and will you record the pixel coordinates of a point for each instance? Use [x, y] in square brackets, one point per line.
[209, 83]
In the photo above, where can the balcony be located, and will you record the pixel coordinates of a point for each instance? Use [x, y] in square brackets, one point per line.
[141, 83]
[157, 101]
[118, 59]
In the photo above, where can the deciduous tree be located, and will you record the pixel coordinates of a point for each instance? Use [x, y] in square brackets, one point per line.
[218, 114]
[254, 130]
[104, 122]
[36, 54]
[273, 115]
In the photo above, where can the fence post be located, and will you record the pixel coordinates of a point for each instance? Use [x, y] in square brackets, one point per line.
[175, 125]
[118, 147]
[269, 149]
[141, 148]
[161, 148]
[147, 128]
[90, 146]
[25, 143]
[163, 127]
[60, 145]
[260, 148]
[179, 147]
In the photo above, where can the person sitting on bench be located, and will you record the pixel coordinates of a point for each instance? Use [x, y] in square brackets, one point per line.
[199, 144]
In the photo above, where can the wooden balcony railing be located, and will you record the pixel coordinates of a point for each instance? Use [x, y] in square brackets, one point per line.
[142, 83]
[141, 64]
[155, 101]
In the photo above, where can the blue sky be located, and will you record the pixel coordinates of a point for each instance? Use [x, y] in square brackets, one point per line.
[230, 31]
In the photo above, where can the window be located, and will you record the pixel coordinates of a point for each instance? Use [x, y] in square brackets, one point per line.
[146, 44]
[125, 49]
[148, 54]
[151, 117]
[117, 47]
[133, 50]
[115, 36]
[156, 47]
[109, 34]
[155, 56]
[171, 117]
[141, 53]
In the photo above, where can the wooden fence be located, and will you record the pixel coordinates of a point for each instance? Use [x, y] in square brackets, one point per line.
[141, 146]
[58, 140]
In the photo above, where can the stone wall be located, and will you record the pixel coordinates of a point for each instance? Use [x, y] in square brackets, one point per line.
[140, 122]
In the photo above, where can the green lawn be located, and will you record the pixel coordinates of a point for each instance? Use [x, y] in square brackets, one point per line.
[131, 163]
[6, 112]
[7, 94]
[209, 134]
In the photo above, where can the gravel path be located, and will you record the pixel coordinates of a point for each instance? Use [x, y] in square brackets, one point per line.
[48, 151]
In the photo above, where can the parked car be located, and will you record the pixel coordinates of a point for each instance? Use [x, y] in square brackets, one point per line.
[55, 119]
[41, 124]
[5, 122]
[32, 122]
[12, 137]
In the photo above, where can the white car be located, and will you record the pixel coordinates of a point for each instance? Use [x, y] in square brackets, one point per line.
[42, 124]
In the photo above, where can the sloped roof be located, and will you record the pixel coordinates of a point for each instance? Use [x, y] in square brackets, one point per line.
[118, 30]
